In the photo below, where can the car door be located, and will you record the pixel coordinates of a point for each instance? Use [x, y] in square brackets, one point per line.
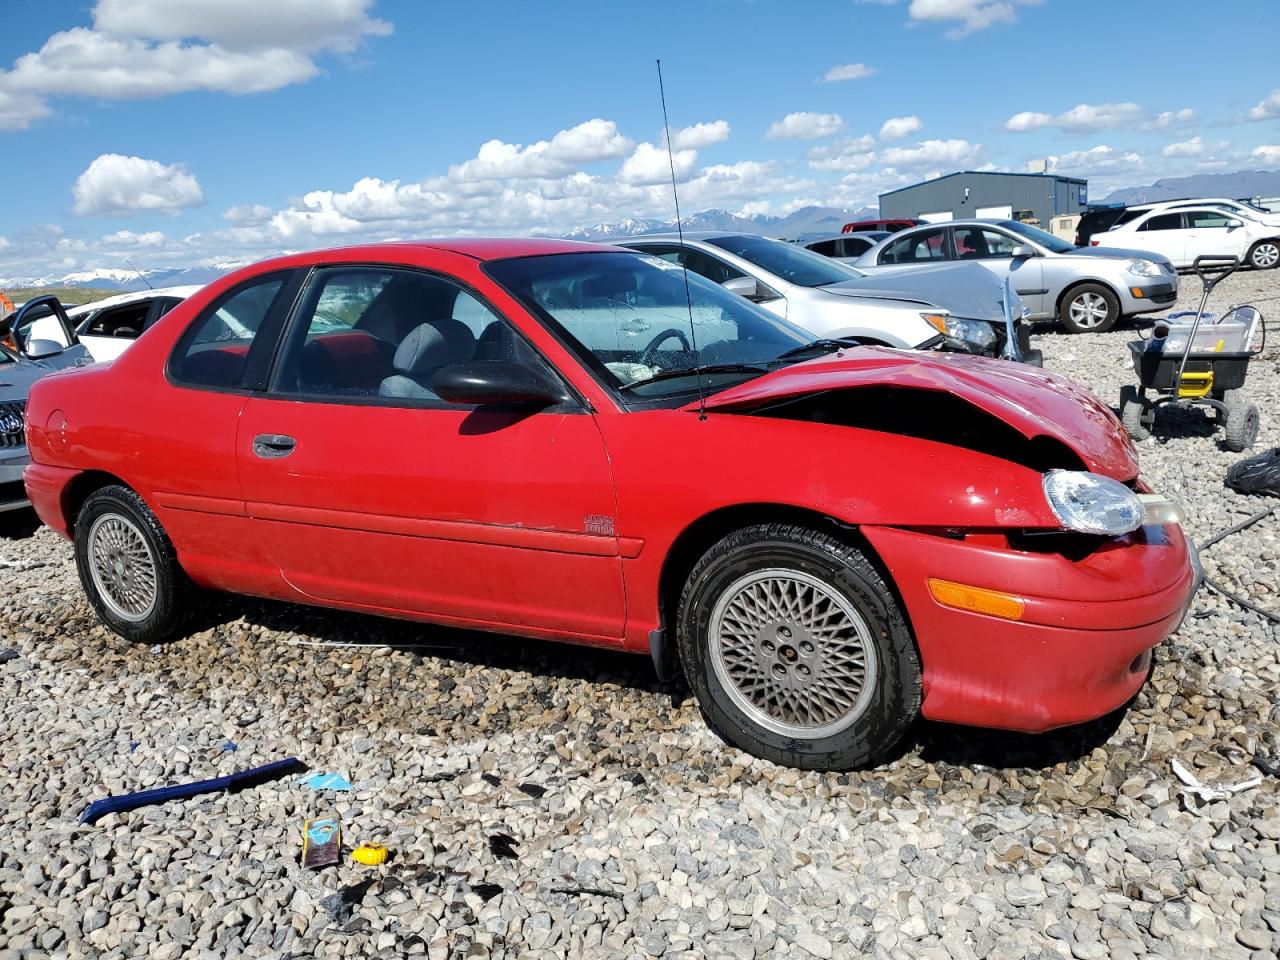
[718, 271]
[371, 491]
[917, 246]
[1214, 233]
[993, 249]
[1165, 234]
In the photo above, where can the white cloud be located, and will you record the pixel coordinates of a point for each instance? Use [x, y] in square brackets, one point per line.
[844, 155]
[590, 141]
[1195, 147]
[1027, 120]
[1099, 159]
[1170, 117]
[970, 15]
[127, 238]
[895, 128]
[116, 185]
[155, 48]
[1267, 153]
[930, 153]
[848, 71]
[1267, 107]
[700, 135]
[307, 25]
[650, 164]
[248, 213]
[1082, 118]
[805, 126]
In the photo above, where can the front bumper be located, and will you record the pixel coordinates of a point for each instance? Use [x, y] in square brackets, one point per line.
[13, 461]
[1143, 295]
[1083, 647]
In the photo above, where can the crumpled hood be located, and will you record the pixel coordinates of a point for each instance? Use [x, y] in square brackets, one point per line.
[963, 289]
[1033, 401]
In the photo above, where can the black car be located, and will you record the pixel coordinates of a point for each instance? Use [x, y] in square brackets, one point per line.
[1100, 220]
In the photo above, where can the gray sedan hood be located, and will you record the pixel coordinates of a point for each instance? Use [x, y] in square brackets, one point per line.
[963, 289]
[1116, 253]
[17, 376]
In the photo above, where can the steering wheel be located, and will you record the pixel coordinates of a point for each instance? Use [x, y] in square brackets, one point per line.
[647, 356]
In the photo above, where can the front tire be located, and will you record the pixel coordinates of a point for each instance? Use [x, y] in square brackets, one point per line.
[1241, 423]
[1089, 308]
[1265, 255]
[1137, 413]
[129, 568]
[797, 650]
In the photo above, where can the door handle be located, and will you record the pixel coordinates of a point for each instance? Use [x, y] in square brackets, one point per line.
[272, 446]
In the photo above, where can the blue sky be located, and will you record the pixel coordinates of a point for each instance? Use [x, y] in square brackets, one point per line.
[186, 132]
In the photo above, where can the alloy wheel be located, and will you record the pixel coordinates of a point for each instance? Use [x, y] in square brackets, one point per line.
[1265, 256]
[1088, 310]
[123, 567]
[792, 653]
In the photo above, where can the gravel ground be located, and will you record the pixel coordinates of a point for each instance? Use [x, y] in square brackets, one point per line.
[634, 831]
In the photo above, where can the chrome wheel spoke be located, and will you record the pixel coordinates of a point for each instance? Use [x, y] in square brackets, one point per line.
[122, 567]
[792, 652]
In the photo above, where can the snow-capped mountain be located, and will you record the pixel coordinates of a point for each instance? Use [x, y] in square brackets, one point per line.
[803, 222]
[110, 278]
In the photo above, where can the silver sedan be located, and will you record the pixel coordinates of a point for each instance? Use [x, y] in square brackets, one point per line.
[1087, 289]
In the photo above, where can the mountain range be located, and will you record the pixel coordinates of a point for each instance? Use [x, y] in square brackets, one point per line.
[804, 222]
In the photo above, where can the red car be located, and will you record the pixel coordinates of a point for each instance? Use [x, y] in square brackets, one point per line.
[564, 441]
[891, 226]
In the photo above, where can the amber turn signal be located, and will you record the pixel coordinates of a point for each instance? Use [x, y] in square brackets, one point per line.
[1006, 606]
[936, 320]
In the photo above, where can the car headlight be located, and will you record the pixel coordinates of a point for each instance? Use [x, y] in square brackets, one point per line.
[1143, 268]
[975, 332]
[1091, 503]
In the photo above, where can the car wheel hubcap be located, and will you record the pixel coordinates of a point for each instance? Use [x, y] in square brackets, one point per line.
[1266, 255]
[792, 653]
[1089, 310]
[122, 567]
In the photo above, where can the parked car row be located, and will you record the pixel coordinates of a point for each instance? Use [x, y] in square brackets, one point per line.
[1181, 230]
[1085, 289]
[636, 449]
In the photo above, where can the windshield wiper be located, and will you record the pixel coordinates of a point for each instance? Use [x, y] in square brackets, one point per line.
[693, 372]
[823, 345]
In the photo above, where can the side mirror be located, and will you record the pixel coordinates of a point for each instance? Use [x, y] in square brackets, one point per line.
[1233, 223]
[1022, 251]
[743, 287]
[483, 382]
[42, 349]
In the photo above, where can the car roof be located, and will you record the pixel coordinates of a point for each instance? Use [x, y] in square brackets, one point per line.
[857, 234]
[123, 299]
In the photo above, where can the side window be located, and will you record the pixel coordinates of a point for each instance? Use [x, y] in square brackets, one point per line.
[923, 247]
[1207, 219]
[855, 247]
[126, 322]
[975, 243]
[1165, 221]
[215, 349]
[828, 248]
[368, 333]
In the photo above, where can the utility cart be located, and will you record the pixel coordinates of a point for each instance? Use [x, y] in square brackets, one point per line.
[1198, 359]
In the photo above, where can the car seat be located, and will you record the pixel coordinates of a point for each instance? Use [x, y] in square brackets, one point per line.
[426, 349]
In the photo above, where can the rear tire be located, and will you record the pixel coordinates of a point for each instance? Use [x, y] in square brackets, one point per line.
[1137, 413]
[1265, 255]
[797, 650]
[1089, 308]
[129, 568]
[1242, 422]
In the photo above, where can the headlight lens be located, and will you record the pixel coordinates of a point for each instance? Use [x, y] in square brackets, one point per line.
[1144, 268]
[1091, 503]
[971, 331]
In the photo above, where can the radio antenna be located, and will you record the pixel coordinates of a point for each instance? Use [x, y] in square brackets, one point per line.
[688, 297]
[140, 274]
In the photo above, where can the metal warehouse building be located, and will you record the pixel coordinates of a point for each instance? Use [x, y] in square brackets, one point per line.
[972, 193]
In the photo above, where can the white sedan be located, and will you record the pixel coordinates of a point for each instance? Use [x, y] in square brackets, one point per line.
[1183, 233]
[107, 327]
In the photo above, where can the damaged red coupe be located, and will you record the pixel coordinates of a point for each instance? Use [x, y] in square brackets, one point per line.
[579, 443]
